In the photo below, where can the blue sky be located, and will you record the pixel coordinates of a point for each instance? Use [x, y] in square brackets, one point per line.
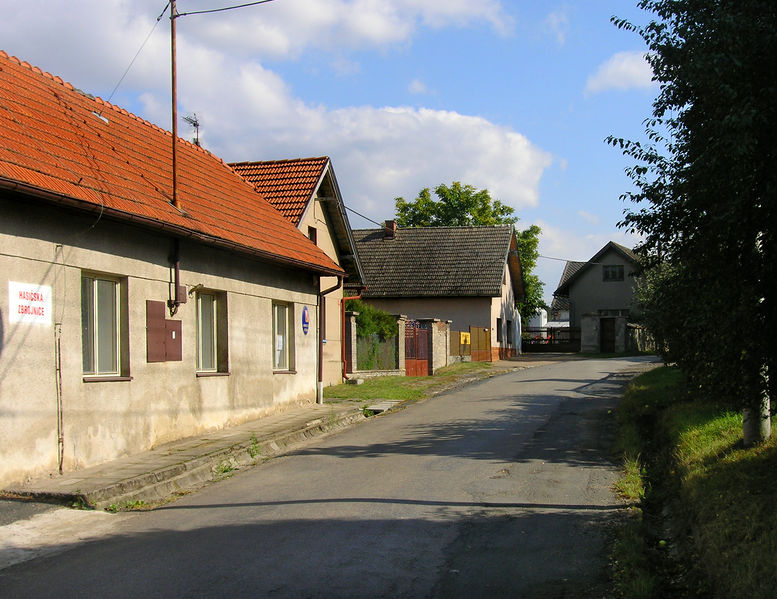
[513, 96]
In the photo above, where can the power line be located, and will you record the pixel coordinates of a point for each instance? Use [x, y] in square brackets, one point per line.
[561, 259]
[143, 45]
[364, 217]
[202, 12]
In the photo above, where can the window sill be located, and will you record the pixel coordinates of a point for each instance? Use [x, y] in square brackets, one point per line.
[284, 372]
[106, 379]
[207, 374]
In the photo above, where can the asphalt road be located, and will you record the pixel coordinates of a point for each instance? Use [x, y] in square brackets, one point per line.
[499, 489]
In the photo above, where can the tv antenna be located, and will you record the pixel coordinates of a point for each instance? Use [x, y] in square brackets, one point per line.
[194, 122]
[174, 14]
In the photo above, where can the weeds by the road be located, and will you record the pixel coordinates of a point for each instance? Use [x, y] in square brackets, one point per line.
[706, 523]
[127, 506]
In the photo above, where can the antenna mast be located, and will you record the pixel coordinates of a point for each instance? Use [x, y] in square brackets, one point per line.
[173, 16]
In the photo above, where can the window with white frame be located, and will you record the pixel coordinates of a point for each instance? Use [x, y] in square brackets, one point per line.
[283, 350]
[212, 332]
[103, 326]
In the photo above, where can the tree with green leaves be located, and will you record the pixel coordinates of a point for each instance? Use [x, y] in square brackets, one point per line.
[458, 206]
[706, 191]
[463, 205]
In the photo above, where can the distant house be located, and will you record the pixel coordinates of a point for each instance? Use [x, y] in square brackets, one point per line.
[306, 193]
[132, 316]
[469, 275]
[604, 285]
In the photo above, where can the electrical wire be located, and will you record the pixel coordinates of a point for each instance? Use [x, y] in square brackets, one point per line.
[143, 45]
[202, 12]
[364, 217]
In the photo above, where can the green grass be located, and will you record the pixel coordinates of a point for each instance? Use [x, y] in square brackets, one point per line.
[689, 456]
[406, 388]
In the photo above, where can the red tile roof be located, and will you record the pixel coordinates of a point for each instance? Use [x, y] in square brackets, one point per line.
[56, 141]
[286, 184]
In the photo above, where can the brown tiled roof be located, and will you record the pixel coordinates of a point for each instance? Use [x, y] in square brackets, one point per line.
[439, 261]
[286, 184]
[60, 144]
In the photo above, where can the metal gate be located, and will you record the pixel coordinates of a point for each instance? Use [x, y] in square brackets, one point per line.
[550, 339]
[418, 341]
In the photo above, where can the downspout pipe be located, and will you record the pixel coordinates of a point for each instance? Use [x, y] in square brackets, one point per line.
[322, 337]
[342, 327]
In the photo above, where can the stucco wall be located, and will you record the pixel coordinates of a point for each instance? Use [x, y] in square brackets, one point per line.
[461, 311]
[504, 307]
[590, 294]
[158, 402]
[315, 216]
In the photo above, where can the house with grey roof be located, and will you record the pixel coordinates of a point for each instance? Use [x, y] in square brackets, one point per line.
[469, 275]
[604, 286]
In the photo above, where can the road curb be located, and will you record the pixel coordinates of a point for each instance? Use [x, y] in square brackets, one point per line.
[160, 484]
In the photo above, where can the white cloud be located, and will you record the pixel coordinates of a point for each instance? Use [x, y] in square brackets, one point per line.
[557, 24]
[591, 219]
[248, 111]
[624, 70]
[417, 87]
[288, 28]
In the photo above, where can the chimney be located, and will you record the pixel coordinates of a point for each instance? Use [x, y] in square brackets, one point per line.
[390, 229]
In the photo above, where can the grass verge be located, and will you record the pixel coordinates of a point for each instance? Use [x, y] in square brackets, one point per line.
[706, 523]
[406, 388]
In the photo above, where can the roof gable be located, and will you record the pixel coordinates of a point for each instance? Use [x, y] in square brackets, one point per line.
[292, 185]
[288, 185]
[58, 142]
[439, 261]
[573, 270]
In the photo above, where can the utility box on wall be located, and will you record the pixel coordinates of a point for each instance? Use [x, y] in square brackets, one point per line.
[163, 336]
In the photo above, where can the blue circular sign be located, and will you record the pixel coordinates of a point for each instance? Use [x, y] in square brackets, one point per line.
[305, 319]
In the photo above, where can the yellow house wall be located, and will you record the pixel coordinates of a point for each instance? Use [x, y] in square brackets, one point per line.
[314, 216]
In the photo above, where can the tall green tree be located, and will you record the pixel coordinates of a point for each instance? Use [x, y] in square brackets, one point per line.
[706, 191]
[463, 205]
[457, 206]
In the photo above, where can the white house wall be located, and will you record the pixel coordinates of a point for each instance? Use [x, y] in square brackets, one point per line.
[159, 402]
[503, 308]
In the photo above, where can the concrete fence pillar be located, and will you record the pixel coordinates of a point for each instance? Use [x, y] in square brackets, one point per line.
[350, 341]
[441, 340]
[620, 334]
[401, 320]
[589, 334]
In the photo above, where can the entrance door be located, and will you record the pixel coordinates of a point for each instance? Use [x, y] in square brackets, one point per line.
[607, 335]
